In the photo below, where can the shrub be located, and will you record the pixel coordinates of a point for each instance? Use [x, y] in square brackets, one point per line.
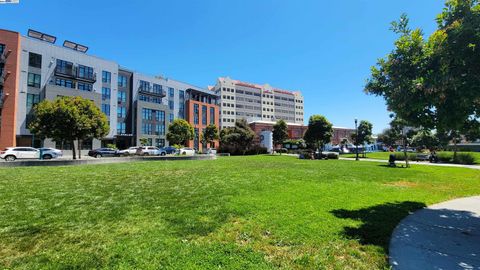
[331, 155]
[445, 157]
[111, 145]
[464, 158]
[401, 156]
[253, 150]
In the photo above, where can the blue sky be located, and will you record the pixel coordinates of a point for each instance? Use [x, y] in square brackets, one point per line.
[322, 48]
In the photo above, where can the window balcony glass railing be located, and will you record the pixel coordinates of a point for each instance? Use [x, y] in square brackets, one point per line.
[149, 90]
[75, 73]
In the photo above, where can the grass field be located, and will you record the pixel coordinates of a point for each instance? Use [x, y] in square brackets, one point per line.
[385, 155]
[259, 212]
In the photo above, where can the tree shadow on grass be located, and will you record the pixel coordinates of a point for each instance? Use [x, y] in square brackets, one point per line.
[378, 222]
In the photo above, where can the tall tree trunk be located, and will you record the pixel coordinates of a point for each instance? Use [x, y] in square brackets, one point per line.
[79, 149]
[455, 148]
[405, 151]
[74, 154]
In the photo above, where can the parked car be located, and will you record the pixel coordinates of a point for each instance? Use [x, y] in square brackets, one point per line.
[47, 152]
[169, 149]
[13, 153]
[150, 151]
[211, 151]
[103, 152]
[187, 151]
[129, 151]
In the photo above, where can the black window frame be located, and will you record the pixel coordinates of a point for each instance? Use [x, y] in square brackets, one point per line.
[34, 60]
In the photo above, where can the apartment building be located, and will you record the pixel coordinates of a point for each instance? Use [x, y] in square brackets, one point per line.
[255, 102]
[34, 68]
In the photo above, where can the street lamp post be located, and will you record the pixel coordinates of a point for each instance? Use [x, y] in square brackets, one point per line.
[356, 139]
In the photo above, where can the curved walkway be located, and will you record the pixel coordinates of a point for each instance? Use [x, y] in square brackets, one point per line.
[442, 236]
[400, 163]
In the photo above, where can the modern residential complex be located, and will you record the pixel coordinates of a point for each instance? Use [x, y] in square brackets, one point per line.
[34, 68]
[255, 102]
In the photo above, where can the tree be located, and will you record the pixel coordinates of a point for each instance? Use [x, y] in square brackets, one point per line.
[144, 141]
[364, 133]
[280, 132]
[319, 132]
[424, 139]
[434, 84]
[237, 139]
[210, 134]
[389, 137]
[180, 132]
[69, 119]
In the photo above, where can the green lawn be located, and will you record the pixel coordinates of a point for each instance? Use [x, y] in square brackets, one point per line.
[258, 212]
[385, 155]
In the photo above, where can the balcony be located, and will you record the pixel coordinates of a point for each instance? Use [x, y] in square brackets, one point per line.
[3, 56]
[148, 90]
[73, 73]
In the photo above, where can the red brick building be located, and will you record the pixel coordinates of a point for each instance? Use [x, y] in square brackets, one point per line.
[9, 70]
[201, 110]
[296, 131]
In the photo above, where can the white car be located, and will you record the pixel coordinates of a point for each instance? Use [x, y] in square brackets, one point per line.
[13, 153]
[186, 151]
[150, 151]
[46, 151]
[130, 151]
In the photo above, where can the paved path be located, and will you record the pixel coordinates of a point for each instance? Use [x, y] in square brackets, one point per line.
[476, 167]
[442, 236]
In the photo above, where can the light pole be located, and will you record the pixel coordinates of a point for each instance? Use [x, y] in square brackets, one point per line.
[356, 139]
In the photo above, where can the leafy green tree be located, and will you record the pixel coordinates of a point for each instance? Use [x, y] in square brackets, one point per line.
[389, 137]
[237, 139]
[424, 139]
[69, 119]
[434, 83]
[210, 134]
[280, 132]
[144, 141]
[319, 132]
[180, 132]
[364, 133]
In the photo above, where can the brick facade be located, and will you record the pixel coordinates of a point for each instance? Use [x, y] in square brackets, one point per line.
[190, 117]
[8, 126]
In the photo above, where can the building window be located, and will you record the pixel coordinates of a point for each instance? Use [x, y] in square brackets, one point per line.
[171, 105]
[121, 128]
[146, 114]
[106, 109]
[150, 99]
[160, 129]
[181, 110]
[160, 142]
[181, 94]
[34, 80]
[171, 117]
[106, 93]
[204, 115]
[144, 86]
[65, 83]
[147, 129]
[171, 92]
[122, 81]
[85, 72]
[212, 116]
[195, 114]
[121, 112]
[160, 116]
[106, 77]
[122, 96]
[32, 99]
[85, 86]
[157, 89]
[64, 67]
[35, 60]
[2, 48]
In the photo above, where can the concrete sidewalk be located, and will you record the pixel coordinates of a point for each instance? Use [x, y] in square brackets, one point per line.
[442, 236]
[399, 163]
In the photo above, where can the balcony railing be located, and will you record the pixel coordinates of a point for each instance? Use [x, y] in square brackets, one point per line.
[3, 56]
[148, 90]
[2, 97]
[73, 73]
[2, 76]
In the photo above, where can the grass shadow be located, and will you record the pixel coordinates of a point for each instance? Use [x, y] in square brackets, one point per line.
[378, 222]
[393, 167]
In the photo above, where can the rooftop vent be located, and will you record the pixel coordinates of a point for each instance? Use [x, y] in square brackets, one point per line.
[41, 36]
[75, 46]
